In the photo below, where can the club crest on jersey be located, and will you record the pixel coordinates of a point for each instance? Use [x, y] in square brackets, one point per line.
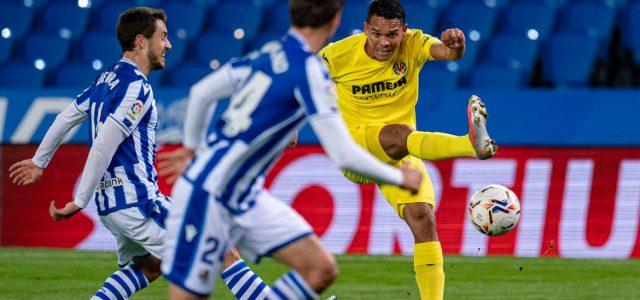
[135, 110]
[400, 68]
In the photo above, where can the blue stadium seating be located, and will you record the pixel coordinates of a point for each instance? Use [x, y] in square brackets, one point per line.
[551, 3]
[469, 17]
[108, 14]
[187, 74]
[258, 42]
[522, 17]
[245, 17]
[74, 74]
[489, 75]
[591, 18]
[517, 52]
[436, 75]
[51, 48]
[176, 54]
[434, 3]
[566, 63]
[421, 16]
[184, 20]
[353, 20]
[21, 74]
[469, 58]
[631, 28]
[281, 23]
[490, 3]
[212, 46]
[54, 19]
[6, 46]
[100, 46]
[16, 17]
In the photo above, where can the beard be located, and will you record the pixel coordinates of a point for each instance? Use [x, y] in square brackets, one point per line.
[155, 61]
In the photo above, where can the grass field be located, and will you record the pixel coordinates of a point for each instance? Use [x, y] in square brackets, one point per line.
[64, 274]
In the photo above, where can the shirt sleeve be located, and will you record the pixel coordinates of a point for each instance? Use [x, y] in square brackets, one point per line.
[316, 91]
[422, 43]
[69, 118]
[135, 103]
[325, 55]
[203, 97]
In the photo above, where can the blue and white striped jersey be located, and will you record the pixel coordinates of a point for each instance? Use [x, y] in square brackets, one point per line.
[124, 94]
[275, 90]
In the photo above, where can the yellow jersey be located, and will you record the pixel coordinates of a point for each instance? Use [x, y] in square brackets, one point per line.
[379, 92]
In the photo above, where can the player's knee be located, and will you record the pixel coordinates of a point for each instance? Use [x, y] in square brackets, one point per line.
[393, 139]
[149, 265]
[420, 215]
[327, 272]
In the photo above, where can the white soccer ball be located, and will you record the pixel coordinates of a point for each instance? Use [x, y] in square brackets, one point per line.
[494, 209]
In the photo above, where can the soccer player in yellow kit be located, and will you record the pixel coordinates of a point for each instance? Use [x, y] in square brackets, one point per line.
[376, 75]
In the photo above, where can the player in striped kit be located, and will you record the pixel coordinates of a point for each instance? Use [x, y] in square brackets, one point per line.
[220, 201]
[119, 174]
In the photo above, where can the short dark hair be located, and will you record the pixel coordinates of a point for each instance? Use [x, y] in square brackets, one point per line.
[388, 9]
[134, 21]
[313, 13]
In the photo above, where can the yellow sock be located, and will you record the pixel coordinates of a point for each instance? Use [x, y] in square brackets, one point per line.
[428, 263]
[436, 145]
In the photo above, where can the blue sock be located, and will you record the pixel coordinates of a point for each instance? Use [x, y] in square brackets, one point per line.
[243, 283]
[292, 286]
[122, 284]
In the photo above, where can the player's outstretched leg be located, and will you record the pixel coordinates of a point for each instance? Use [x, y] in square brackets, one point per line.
[239, 278]
[427, 252]
[398, 140]
[130, 279]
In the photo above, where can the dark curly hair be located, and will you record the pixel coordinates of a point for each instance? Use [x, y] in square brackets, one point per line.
[134, 21]
[313, 13]
[388, 9]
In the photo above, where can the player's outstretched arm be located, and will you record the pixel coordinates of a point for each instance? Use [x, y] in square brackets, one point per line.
[452, 46]
[345, 153]
[29, 171]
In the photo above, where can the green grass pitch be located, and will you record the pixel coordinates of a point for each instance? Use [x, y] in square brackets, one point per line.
[67, 274]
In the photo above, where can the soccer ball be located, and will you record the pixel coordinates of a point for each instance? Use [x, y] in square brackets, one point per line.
[494, 209]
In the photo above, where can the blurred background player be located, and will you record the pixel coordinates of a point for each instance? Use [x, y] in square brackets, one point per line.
[220, 200]
[119, 173]
[376, 74]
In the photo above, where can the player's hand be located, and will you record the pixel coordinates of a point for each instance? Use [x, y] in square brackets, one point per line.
[25, 172]
[294, 141]
[453, 38]
[172, 164]
[59, 214]
[412, 178]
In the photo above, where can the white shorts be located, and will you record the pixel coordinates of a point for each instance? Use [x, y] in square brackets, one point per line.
[200, 231]
[136, 234]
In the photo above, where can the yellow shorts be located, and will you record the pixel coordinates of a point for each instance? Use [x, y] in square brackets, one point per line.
[367, 137]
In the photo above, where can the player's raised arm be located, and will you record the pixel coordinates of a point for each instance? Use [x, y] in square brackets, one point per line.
[203, 97]
[452, 46]
[30, 170]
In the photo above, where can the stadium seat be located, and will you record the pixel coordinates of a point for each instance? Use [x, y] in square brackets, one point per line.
[21, 75]
[468, 59]
[208, 48]
[248, 18]
[108, 14]
[51, 48]
[352, 22]
[517, 52]
[184, 20]
[17, 18]
[434, 3]
[6, 47]
[67, 27]
[176, 54]
[471, 17]
[631, 29]
[555, 4]
[522, 18]
[280, 24]
[422, 17]
[262, 39]
[594, 19]
[187, 74]
[100, 46]
[74, 74]
[490, 3]
[490, 75]
[436, 75]
[569, 58]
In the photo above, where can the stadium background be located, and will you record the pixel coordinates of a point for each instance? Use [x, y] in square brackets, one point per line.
[559, 78]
